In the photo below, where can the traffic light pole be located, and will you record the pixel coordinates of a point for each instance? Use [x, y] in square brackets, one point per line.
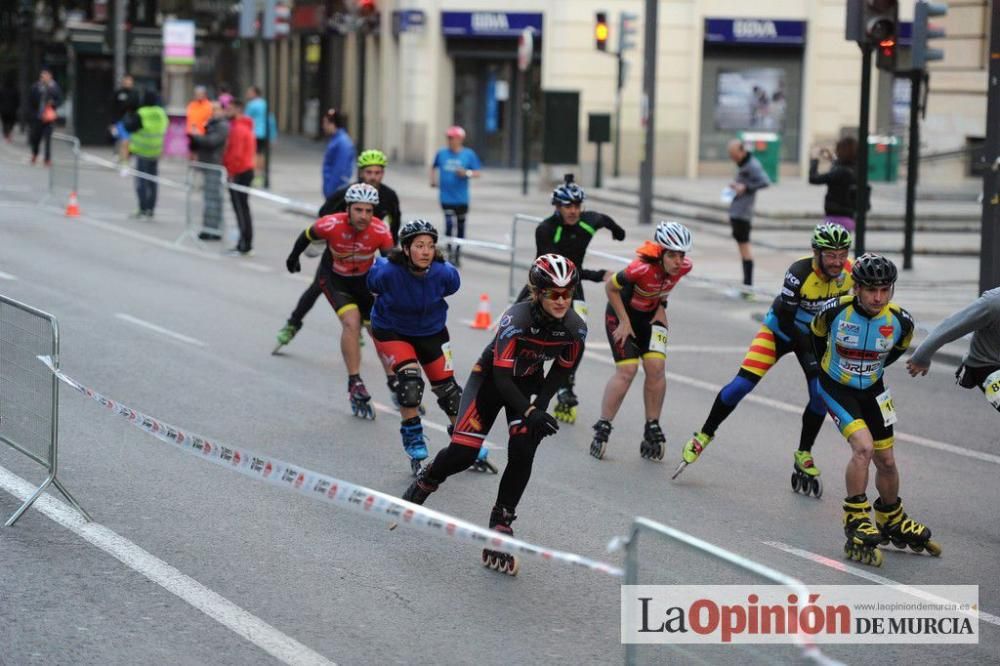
[989, 252]
[649, 113]
[862, 194]
[912, 166]
[618, 117]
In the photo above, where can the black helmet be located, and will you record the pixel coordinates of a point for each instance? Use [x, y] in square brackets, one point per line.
[415, 228]
[873, 270]
[567, 193]
[553, 270]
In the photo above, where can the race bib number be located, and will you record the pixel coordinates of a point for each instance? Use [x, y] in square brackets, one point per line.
[446, 352]
[581, 308]
[887, 408]
[658, 339]
[992, 387]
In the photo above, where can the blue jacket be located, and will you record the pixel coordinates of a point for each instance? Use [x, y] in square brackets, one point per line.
[408, 304]
[338, 162]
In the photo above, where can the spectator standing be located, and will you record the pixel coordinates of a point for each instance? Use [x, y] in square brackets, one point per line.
[840, 203]
[256, 109]
[225, 98]
[238, 159]
[125, 101]
[147, 126]
[10, 101]
[338, 160]
[199, 111]
[208, 148]
[456, 165]
[750, 177]
[44, 97]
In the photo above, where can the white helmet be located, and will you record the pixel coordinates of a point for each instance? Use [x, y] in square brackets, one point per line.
[673, 236]
[361, 193]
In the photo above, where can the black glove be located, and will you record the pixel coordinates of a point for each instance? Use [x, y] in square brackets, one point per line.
[617, 233]
[541, 424]
[292, 263]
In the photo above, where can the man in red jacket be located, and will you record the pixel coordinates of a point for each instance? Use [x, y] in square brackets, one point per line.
[239, 160]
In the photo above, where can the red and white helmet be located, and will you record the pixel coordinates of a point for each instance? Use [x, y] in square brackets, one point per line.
[553, 270]
[361, 193]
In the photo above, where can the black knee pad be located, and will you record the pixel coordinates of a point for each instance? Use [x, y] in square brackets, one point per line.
[449, 395]
[409, 387]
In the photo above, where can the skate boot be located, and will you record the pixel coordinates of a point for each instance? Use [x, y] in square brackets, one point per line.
[360, 399]
[500, 519]
[414, 442]
[653, 441]
[481, 464]
[692, 450]
[391, 382]
[420, 489]
[894, 525]
[863, 537]
[602, 430]
[805, 475]
[285, 335]
[566, 402]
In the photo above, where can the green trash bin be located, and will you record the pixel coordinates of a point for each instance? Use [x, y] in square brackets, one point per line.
[883, 159]
[766, 147]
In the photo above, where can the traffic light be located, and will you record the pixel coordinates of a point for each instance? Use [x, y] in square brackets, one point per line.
[626, 29]
[885, 54]
[367, 7]
[871, 22]
[922, 31]
[601, 31]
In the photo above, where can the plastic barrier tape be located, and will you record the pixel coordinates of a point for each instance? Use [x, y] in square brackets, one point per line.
[328, 489]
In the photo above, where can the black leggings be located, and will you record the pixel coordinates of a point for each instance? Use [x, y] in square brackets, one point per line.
[41, 132]
[481, 404]
[454, 219]
[309, 297]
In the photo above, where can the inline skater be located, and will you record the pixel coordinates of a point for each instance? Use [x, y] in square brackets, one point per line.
[568, 232]
[857, 337]
[509, 372]
[410, 331]
[353, 238]
[809, 283]
[636, 325]
[371, 170]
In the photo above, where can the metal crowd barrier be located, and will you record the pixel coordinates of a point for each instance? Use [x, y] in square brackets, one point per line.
[210, 180]
[630, 544]
[29, 393]
[64, 172]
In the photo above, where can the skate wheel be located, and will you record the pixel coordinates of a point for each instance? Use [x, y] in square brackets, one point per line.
[659, 453]
[277, 350]
[899, 544]
[571, 417]
[415, 467]
[513, 566]
[795, 481]
[875, 558]
[817, 487]
[597, 449]
[916, 548]
[680, 468]
[934, 548]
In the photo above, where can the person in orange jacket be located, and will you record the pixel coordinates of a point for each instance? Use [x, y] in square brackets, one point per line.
[199, 111]
[239, 160]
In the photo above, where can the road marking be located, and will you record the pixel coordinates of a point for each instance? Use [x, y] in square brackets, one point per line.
[243, 623]
[387, 409]
[6, 276]
[159, 329]
[875, 578]
[797, 409]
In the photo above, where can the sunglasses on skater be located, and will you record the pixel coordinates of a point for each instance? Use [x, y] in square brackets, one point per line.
[557, 294]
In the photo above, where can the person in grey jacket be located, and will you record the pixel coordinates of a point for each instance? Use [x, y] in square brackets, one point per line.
[981, 366]
[208, 148]
[750, 177]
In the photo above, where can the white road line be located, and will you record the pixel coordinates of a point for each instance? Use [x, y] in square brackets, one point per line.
[797, 409]
[159, 329]
[243, 623]
[387, 409]
[6, 276]
[875, 578]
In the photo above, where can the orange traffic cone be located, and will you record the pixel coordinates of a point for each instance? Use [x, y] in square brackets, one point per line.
[482, 320]
[73, 207]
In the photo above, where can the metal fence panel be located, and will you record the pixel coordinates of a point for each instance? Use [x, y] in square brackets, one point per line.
[64, 170]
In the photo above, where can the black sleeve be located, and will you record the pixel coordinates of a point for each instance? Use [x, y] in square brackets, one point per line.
[301, 243]
[788, 300]
[555, 380]
[594, 275]
[335, 203]
[132, 121]
[397, 215]
[544, 232]
[607, 222]
[503, 379]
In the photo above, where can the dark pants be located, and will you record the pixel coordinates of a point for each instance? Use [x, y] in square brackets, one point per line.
[41, 132]
[454, 218]
[146, 189]
[8, 120]
[241, 206]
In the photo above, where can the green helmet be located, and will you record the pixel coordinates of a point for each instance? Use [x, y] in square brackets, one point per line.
[829, 236]
[371, 158]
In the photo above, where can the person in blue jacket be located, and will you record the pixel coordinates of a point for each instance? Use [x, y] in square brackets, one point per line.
[409, 325]
[456, 165]
[338, 160]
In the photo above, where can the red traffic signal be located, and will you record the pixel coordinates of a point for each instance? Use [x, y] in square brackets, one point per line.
[367, 7]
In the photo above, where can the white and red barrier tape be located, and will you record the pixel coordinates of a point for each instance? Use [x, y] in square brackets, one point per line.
[328, 489]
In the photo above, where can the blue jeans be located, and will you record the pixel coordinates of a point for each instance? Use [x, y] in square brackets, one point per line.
[146, 189]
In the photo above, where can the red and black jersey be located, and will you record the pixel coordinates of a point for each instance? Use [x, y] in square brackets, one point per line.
[645, 285]
[524, 342]
[353, 252]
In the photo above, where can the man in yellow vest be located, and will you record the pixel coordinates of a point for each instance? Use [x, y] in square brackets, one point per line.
[148, 126]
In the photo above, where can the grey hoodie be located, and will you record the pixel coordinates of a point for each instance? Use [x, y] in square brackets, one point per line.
[751, 174]
[210, 145]
[982, 319]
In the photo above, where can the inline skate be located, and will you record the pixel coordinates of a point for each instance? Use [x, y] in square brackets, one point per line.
[653, 441]
[692, 450]
[602, 430]
[481, 463]
[414, 442]
[286, 335]
[360, 398]
[805, 475]
[498, 560]
[895, 526]
[863, 537]
[566, 402]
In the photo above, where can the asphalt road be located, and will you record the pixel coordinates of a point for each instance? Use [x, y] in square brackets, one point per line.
[252, 574]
